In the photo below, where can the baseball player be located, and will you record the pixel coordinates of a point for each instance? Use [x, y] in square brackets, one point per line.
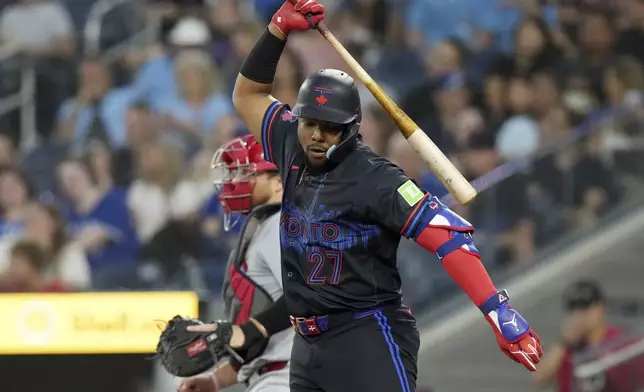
[250, 185]
[344, 211]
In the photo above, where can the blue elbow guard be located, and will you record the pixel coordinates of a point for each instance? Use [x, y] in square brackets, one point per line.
[433, 213]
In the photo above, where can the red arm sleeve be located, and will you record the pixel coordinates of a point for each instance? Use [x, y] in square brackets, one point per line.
[464, 268]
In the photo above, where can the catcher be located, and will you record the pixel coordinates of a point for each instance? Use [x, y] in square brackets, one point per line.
[247, 185]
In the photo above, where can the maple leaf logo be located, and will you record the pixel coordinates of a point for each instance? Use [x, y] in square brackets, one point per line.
[287, 116]
[321, 100]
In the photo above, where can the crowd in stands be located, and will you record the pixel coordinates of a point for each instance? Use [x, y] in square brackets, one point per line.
[118, 192]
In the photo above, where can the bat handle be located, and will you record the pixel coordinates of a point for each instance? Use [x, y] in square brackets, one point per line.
[308, 19]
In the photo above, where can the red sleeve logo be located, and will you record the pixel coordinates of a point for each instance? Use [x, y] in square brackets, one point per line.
[287, 116]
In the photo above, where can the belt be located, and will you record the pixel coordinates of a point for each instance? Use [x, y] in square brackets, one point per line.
[316, 325]
[272, 367]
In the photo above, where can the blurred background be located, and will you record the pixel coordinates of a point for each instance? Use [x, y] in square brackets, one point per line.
[111, 110]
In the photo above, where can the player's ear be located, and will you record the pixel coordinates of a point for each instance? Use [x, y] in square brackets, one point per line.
[276, 184]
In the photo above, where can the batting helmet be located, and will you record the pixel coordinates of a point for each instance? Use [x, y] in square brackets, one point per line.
[332, 95]
[234, 165]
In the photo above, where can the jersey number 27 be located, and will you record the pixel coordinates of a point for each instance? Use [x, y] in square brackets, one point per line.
[320, 258]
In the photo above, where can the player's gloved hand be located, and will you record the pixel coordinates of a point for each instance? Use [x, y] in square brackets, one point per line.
[293, 16]
[204, 383]
[243, 335]
[513, 333]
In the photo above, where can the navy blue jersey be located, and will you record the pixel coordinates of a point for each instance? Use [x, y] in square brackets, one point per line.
[339, 230]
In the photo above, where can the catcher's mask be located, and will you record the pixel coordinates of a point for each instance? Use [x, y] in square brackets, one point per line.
[235, 165]
[332, 95]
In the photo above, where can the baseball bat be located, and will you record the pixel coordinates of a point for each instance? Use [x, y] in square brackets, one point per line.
[428, 152]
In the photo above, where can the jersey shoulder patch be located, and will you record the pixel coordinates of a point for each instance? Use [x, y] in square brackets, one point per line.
[410, 193]
[287, 116]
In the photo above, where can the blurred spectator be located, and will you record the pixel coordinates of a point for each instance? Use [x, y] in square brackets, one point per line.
[369, 20]
[288, 78]
[555, 126]
[455, 120]
[584, 327]
[624, 82]
[493, 98]
[631, 38]
[7, 151]
[97, 112]
[15, 192]
[547, 95]
[502, 215]
[140, 125]
[266, 8]
[42, 32]
[201, 106]
[535, 53]
[518, 137]
[194, 190]
[577, 179]
[159, 169]
[579, 97]
[240, 40]
[101, 224]
[622, 138]
[26, 271]
[99, 161]
[596, 36]
[448, 57]
[155, 80]
[224, 15]
[39, 28]
[217, 242]
[520, 96]
[480, 24]
[501, 19]
[65, 262]
[535, 48]
[376, 129]
[314, 50]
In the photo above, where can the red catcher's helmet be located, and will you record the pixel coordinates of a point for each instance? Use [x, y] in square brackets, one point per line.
[235, 164]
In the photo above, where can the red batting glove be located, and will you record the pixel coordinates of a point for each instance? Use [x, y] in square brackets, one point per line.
[293, 16]
[513, 333]
[525, 350]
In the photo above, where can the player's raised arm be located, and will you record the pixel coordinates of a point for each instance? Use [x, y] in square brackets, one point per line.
[252, 93]
[417, 215]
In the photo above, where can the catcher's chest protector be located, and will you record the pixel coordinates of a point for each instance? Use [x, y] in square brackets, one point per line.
[243, 297]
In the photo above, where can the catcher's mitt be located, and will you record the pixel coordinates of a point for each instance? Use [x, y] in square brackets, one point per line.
[185, 354]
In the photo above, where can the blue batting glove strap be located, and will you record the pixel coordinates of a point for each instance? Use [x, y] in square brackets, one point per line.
[495, 300]
[509, 322]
